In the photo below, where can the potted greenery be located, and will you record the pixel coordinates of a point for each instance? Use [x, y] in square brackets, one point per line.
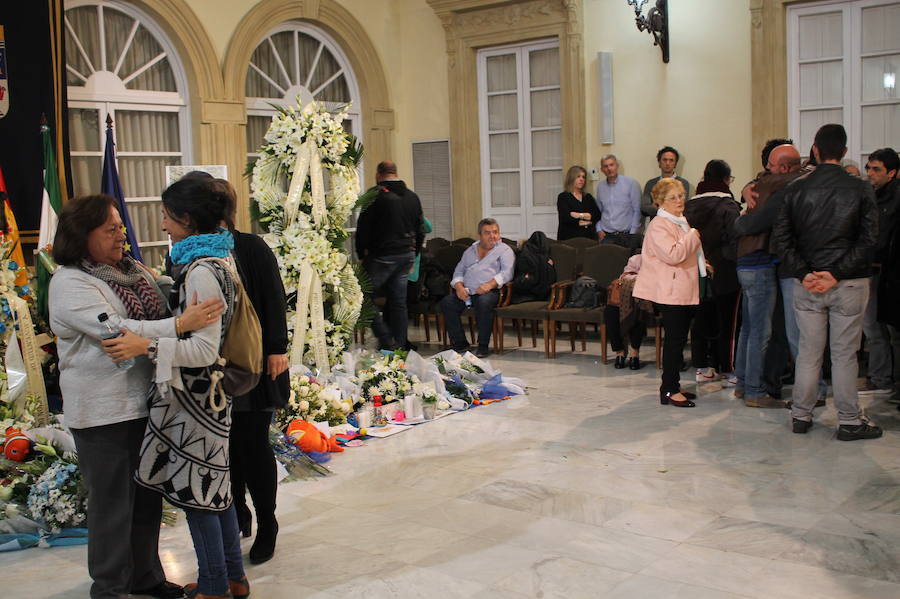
[429, 405]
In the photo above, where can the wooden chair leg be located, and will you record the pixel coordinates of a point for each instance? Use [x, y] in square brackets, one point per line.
[425, 321]
[533, 333]
[442, 328]
[603, 344]
[573, 331]
[658, 335]
[546, 338]
[499, 333]
[583, 326]
[551, 331]
[518, 324]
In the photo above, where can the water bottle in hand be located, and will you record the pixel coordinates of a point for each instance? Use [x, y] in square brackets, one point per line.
[468, 298]
[110, 333]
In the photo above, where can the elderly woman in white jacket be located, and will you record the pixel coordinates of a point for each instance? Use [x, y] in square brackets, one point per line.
[105, 406]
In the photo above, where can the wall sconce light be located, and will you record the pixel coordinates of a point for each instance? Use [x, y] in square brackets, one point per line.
[656, 22]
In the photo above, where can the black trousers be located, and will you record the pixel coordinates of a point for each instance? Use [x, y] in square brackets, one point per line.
[676, 322]
[253, 463]
[712, 334]
[632, 241]
[614, 330]
[119, 510]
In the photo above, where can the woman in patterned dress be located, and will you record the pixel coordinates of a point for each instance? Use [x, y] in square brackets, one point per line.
[185, 451]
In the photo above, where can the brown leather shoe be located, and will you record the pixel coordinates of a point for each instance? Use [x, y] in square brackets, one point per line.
[240, 589]
[763, 401]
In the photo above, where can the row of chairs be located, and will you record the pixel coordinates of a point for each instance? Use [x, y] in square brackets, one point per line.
[571, 258]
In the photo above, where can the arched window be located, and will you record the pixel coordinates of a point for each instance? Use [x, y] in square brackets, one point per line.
[297, 60]
[120, 64]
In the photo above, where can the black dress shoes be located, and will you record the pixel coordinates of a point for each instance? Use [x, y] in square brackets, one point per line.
[619, 363]
[164, 590]
[666, 399]
[634, 363]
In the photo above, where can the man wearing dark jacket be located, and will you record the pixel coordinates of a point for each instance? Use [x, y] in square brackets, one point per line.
[389, 234]
[826, 237]
[881, 169]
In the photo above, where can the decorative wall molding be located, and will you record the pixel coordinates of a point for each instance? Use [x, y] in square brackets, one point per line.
[473, 24]
[768, 51]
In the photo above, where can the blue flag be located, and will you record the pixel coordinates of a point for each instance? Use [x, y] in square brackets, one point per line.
[109, 184]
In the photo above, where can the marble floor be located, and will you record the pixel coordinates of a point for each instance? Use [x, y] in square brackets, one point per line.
[587, 487]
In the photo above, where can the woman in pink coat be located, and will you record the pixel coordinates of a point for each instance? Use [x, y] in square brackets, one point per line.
[670, 274]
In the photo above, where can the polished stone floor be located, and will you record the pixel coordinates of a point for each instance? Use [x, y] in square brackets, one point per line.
[587, 487]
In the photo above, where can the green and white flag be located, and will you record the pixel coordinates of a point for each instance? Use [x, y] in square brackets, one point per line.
[52, 201]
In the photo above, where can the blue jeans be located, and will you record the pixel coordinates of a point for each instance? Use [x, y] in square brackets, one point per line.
[482, 304]
[758, 297]
[792, 329]
[389, 276]
[217, 543]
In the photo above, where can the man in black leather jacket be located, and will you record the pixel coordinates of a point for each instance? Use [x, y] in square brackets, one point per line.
[882, 167]
[826, 237]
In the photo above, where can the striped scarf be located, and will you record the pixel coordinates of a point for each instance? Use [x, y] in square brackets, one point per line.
[143, 300]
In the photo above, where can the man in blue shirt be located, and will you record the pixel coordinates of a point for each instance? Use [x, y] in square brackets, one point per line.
[484, 268]
[619, 198]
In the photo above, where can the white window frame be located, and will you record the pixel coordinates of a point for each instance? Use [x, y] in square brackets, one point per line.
[263, 106]
[524, 130]
[852, 57]
[107, 99]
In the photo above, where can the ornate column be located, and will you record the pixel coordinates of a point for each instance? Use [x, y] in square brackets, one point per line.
[768, 49]
[473, 24]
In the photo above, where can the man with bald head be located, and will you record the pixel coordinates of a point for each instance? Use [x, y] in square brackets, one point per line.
[756, 269]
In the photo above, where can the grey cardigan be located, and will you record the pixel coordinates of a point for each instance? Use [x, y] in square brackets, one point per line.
[96, 392]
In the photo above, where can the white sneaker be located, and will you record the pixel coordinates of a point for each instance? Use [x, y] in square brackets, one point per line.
[728, 380]
[706, 375]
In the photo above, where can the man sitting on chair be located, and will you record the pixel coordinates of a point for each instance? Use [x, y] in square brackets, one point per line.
[484, 267]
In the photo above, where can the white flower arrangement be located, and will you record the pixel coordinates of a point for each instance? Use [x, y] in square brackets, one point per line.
[312, 401]
[386, 378]
[302, 239]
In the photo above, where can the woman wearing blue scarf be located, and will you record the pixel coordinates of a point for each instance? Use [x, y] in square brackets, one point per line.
[185, 451]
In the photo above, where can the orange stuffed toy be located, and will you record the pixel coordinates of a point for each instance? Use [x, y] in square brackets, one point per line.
[310, 439]
[17, 445]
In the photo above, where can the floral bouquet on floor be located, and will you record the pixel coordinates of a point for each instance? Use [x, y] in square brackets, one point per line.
[43, 483]
[313, 401]
[386, 378]
[58, 498]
